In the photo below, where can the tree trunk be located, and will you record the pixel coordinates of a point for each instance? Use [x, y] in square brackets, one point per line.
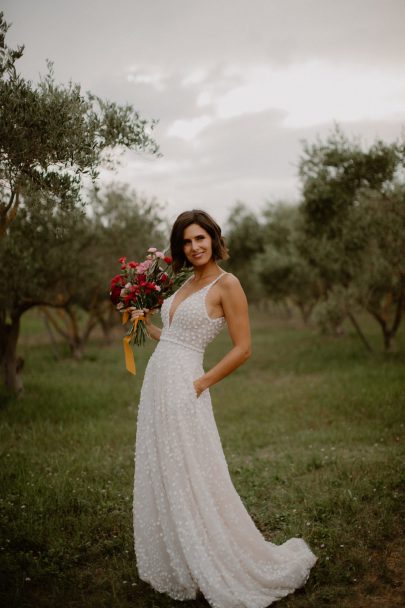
[305, 310]
[389, 342]
[106, 328]
[10, 363]
[68, 328]
[359, 331]
[76, 347]
[108, 320]
[389, 333]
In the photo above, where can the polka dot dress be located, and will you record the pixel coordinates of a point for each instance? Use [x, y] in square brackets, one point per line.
[192, 531]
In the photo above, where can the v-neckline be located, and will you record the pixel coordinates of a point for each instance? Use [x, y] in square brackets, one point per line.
[191, 294]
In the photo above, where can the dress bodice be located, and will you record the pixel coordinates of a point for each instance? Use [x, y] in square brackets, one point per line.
[190, 324]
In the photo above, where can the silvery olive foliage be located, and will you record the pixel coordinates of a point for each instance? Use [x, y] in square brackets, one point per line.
[53, 135]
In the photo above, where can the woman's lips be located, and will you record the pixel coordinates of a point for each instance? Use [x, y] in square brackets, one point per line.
[197, 255]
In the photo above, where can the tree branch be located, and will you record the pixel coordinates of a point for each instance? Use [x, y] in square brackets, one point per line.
[10, 202]
[359, 331]
[400, 305]
[55, 323]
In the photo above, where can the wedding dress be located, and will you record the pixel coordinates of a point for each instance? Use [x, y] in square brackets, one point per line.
[191, 530]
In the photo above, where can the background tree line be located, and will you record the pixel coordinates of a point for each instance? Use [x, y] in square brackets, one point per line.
[338, 252]
[53, 140]
[341, 250]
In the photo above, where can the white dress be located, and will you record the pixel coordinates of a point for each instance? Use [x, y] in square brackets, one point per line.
[192, 531]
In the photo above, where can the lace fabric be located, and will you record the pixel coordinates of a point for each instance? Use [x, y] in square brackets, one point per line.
[191, 529]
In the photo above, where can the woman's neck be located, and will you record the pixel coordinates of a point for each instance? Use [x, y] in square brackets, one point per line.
[208, 270]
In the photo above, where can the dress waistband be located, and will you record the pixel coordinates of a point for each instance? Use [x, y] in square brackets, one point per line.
[190, 346]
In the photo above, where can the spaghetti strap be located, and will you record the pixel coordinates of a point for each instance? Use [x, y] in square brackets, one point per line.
[216, 279]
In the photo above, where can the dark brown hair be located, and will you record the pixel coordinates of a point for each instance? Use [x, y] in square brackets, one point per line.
[185, 219]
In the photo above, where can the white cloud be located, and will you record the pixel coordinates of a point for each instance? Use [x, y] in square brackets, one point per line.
[154, 79]
[188, 129]
[194, 77]
[313, 93]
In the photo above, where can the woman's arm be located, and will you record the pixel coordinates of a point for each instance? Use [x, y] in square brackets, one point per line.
[153, 331]
[235, 307]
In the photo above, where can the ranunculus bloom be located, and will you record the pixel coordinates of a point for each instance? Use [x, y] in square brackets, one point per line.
[132, 264]
[152, 249]
[164, 277]
[160, 255]
[117, 280]
[149, 286]
[122, 260]
[115, 294]
[168, 259]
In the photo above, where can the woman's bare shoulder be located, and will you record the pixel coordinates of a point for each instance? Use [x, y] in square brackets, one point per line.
[230, 282]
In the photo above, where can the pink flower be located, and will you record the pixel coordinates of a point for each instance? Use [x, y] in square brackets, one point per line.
[128, 285]
[143, 266]
[120, 305]
[158, 288]
[152, 250]
[160, 255]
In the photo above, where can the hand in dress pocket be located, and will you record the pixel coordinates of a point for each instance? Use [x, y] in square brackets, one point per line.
[199, 387]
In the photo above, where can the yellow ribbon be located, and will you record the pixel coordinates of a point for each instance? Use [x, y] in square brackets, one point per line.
[128, 352]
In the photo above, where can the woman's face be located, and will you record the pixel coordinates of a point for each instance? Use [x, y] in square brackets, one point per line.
[197, 245]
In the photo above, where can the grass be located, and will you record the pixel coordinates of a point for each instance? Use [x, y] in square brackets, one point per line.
[313, 443]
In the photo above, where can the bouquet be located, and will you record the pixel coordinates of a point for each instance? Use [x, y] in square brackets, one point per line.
[143, 284]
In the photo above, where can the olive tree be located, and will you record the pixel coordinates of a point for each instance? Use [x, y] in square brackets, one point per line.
[285, 274]
[41, 263]
[354, 221]
[52, 135]
[244, 238]
[119, 223]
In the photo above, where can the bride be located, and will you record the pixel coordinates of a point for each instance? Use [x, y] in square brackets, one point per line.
[192, 531]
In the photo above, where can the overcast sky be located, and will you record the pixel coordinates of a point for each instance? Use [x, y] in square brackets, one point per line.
[236, 84]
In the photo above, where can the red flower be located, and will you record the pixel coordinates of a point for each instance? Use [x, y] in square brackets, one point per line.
[122, 260]
[148, 286]
[117, 280]
[134, 290]
[168, 259]
[133, 264]
[164, 277]
[115, 294]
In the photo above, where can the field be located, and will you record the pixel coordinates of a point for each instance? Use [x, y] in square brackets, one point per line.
[313, 442]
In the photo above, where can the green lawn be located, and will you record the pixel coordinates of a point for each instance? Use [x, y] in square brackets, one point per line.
[311, 428]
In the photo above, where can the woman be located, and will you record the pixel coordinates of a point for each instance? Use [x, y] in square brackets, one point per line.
[192, 531]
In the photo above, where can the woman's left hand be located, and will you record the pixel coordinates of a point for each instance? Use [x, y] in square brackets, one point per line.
[199, 386]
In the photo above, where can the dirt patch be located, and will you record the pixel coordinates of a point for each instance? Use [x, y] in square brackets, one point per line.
[383, 586]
